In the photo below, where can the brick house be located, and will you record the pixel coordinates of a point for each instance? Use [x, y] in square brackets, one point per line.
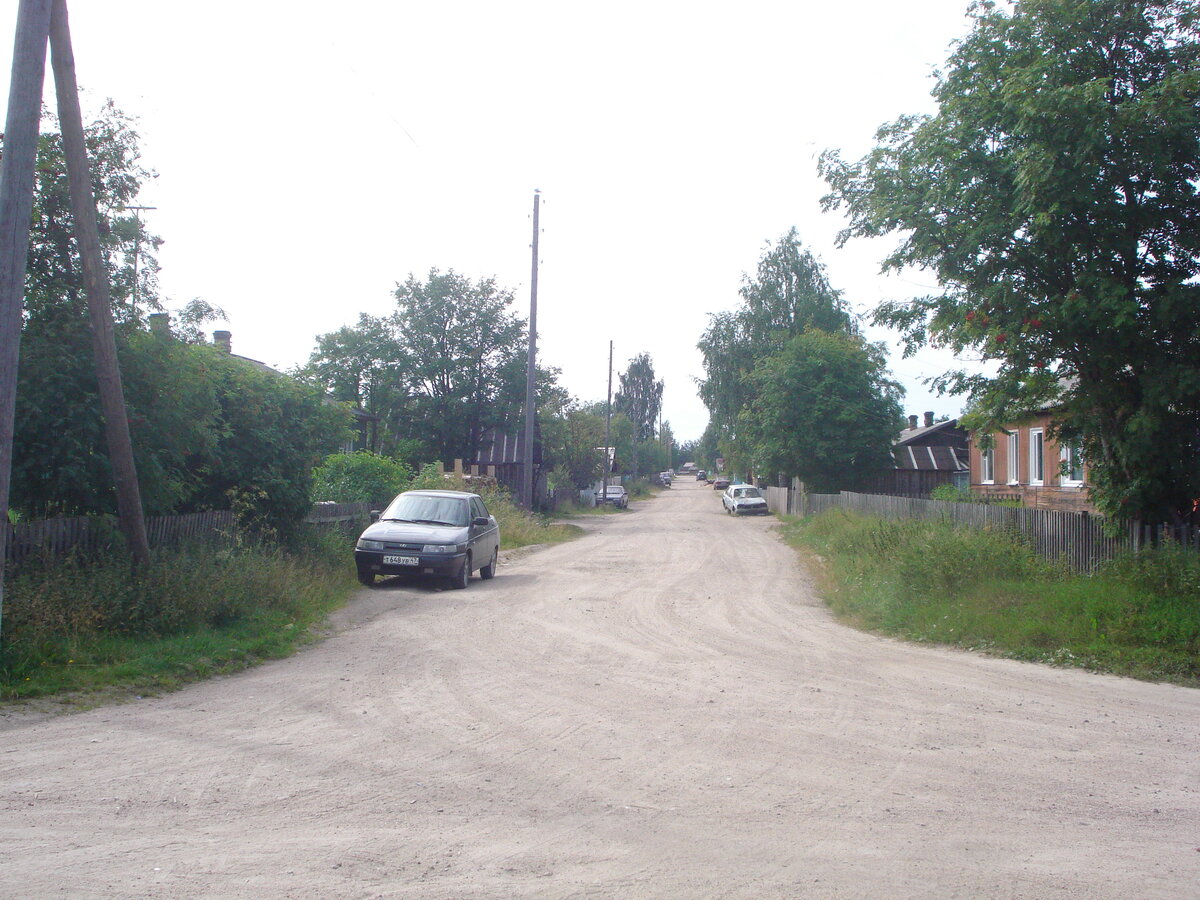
[1025, 460]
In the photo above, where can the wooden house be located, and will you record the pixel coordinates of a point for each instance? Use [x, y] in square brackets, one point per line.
[924, 456]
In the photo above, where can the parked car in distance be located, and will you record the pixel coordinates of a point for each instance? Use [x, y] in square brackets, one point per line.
[616, 495]
[744, 500]
[664, 479]
[701, 475]
[720, 483]
[446, 534]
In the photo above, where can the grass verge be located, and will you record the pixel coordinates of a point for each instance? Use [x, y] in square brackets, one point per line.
[91, 630]
[986, 591]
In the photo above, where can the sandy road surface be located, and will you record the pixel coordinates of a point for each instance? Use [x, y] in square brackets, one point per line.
[661, 709]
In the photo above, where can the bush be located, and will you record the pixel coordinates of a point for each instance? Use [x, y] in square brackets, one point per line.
[360, 477]
[951, 493]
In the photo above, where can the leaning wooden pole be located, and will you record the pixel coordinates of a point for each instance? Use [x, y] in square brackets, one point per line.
[16, 208]
[95, 277]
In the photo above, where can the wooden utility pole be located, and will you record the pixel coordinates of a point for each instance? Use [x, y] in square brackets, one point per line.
[16, 207]
[87, 235]
[607, 423]
[531, 369]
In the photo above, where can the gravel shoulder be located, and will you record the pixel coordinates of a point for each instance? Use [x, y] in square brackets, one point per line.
[662, 708]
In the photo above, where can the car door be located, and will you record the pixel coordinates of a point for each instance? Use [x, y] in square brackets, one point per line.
[485, 539]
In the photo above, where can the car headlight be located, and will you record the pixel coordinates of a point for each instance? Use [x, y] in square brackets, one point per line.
[369, 545]
[438, 548]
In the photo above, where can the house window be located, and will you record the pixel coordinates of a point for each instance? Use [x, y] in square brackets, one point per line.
[987, 466]
[1037, 457]
[1072, 466]
[1014, 461]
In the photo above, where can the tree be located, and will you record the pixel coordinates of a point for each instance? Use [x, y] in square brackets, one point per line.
[54, 280]
[789, 293]
[639, 400]
[465, 353]
[1054, 194]
[363, 365]
[825, 410]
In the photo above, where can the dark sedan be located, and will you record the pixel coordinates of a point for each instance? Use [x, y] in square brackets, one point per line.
[447, 534]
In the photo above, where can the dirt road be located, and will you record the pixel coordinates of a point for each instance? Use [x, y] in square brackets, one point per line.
[660, 709]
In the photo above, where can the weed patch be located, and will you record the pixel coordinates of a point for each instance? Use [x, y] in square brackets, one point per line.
[987, 591]
[191, 613]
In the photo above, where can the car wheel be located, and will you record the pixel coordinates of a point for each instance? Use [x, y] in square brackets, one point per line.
[489, 571]
[463, 578]
[366, 577]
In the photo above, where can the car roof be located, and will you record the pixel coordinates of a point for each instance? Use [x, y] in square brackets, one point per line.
[448, 494]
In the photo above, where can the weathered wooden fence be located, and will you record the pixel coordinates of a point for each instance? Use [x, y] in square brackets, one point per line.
[1078, 539]
[52, 538]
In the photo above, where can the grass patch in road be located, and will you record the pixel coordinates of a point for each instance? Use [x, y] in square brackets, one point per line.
[985, 590]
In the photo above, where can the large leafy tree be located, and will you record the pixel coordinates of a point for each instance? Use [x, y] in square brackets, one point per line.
[465, 354]
[825, 410]
[445, 366]
[789, 295]
[1054, 194]
[58, 464]
[639, 400]
[640, 396]
[209, 430]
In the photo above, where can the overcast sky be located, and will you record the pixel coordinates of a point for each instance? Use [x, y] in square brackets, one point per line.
[312, 155]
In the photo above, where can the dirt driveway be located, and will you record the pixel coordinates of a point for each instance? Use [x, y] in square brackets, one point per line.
[660, 709]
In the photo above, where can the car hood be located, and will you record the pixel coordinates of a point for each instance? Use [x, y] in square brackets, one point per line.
[414, 533]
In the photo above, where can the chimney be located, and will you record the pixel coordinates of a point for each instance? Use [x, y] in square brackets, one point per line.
[928, 419]
[160, 325]
[223, 340]
[912, 421]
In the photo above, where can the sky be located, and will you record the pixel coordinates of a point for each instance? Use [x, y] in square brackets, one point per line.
[310, 156]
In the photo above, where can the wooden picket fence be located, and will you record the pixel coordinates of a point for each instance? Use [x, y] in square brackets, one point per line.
[1078, 539]
[50, 539]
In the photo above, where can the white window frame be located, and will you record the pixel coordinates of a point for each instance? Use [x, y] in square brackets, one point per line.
[987, 466]
[1037, 457]
[1065, 478]
[1014, 457]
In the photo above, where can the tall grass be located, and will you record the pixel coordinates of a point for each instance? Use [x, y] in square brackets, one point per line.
[985, 590]
[518, 527]
[192, 612]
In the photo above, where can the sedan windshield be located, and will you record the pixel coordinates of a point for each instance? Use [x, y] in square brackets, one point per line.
[428, 510]
[747, 492]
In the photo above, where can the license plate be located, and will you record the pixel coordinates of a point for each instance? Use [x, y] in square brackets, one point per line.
[400, 561]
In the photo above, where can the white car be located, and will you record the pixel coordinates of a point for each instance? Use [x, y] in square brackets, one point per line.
[744, 500]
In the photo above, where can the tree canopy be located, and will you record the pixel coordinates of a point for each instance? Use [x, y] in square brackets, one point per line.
[209, 430]
[825, 410]
[788, 309]
[446, 365]
[1054, 194]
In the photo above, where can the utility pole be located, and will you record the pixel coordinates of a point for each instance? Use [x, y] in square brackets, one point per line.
[607, 424]
[16, 208]
[137, 247]
[95, 279]
[531, 368]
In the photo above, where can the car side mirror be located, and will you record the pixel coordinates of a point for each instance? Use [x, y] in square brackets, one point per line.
[375, 514]
[481, 521]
